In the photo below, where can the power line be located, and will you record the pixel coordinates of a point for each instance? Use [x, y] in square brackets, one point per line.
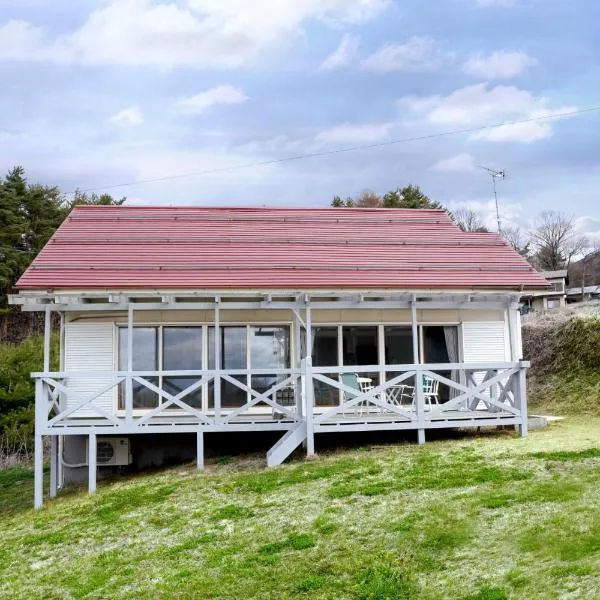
[307, 155]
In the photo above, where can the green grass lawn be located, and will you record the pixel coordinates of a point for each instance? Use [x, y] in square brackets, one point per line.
[479, 517]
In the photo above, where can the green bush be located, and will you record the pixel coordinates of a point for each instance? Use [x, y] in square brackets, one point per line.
[17, 389]
[578, 345]
[565, 361]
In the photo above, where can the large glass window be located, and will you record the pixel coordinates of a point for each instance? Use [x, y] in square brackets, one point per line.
[398, 345]
[145, 358]
[325, 354]
[182, 351]
[269, 349]
[399, 349]
[360, 347]
[233, 356]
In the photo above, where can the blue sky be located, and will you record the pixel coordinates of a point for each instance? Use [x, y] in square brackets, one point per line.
[96, 94]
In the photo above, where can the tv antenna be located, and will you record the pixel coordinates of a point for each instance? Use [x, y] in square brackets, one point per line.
[495, 175]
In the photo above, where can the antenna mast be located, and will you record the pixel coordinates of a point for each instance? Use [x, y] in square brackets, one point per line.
[495, 174]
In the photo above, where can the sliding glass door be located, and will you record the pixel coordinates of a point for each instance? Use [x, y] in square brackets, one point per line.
[192, 348]
[145, 358]
[182, 351]
[439, 344]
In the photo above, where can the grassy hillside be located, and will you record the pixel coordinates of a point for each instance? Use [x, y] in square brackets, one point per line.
[564, 350]
[478, 517]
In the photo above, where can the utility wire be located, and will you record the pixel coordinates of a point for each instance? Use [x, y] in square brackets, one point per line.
[307, 155]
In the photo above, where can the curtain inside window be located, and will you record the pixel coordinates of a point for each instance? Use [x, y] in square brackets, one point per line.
[451, 337]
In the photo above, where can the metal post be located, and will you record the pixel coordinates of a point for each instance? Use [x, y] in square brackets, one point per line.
[200, 450]
[38, 460]
[217, 380]
[310, 424]
[53, 465]
[47, 332]
[497, 207]
[92, 463]
[129, 379]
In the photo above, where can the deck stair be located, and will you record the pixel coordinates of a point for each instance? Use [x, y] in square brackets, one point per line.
[286, 445]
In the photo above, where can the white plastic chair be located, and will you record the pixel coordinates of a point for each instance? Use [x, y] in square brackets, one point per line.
[361, 385]
[430, 390]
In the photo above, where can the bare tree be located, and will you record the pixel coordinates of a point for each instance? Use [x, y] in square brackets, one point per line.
[469, 219]
[517, 239]
[368, 199]
[590, 254]
[555, 241]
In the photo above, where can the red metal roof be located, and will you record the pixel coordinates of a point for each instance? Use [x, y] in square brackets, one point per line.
[105, 247]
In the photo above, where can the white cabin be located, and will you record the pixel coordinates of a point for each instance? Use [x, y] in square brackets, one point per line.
[194, 320]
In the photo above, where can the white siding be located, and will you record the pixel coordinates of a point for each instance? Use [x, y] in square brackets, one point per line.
[90, 347]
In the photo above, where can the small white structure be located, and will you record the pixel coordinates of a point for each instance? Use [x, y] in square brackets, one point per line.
[295, 320]
[553, 297]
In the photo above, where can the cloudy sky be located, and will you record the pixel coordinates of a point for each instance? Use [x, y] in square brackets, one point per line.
[95, 94]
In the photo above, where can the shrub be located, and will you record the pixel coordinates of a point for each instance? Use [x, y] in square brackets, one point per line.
[17, 392]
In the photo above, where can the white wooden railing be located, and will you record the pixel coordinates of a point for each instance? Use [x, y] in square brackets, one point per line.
[494, 390]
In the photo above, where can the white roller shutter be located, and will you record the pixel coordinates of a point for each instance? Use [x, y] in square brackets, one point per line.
[89, 347]
[484, 342]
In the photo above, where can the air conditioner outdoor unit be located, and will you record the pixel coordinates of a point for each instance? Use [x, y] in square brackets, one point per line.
[111, 452]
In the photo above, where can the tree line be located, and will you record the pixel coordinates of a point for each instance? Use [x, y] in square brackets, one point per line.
[29, 215]
[551, 245]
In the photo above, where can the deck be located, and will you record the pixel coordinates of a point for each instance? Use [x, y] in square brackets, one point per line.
[478, 394]
[383, 420]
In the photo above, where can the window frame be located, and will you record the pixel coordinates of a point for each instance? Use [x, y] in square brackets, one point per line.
[205, 327]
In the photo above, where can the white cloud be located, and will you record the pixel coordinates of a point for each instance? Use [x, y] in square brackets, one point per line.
[346, 53]
[503, 64]
[349, 133]
[19, 40]
[274, 145]
[222, 94]
[590, 228]
[196, 33]
[460, 163]
[476, 105]
[129, 116]
[419, 53]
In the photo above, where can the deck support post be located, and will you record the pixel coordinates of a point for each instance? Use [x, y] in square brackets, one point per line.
[415, 332]
[419, 399]
[53, 466]
[129, 379]
[200, 450]
[38, 472]
[92, 463]
[217, 380]
[47, 332]
[523, 427]
[298, 364]
[309, 389]
[38, 449]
